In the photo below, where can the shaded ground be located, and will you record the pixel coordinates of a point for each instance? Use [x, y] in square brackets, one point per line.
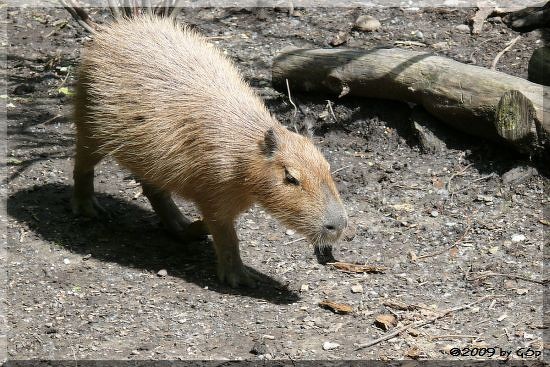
[90, 290]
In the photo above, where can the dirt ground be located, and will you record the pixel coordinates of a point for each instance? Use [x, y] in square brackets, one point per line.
[81, 289]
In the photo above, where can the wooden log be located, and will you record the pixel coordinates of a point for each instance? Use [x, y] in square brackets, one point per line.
[464, 96]
[539, 66]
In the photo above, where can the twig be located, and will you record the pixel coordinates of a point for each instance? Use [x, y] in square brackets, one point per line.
[510, 276]
[454, 336]
[38, 339]
[499, 55]
[479, 18]
[507, 334]
[49, 120]
[219, 37]
[290, 98]
[471, 183]
[341, 169]
[294, 241]
[460, 173]
[478, 46]
[79, 14]
[410, 43]
[66, 77]
[436, 253]
[409, 187]
[419, 324]
[329, 104]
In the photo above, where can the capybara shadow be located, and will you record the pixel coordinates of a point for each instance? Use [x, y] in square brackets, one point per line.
[130, 236]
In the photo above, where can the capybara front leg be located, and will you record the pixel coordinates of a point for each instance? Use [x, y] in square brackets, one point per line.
[83, 201]
[176, 223]
[230, 267]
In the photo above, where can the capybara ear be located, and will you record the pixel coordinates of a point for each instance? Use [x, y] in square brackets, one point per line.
[269, 144]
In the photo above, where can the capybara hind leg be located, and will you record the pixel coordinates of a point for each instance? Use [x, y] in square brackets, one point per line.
[83, 201]
[175, 222]
[230, 267]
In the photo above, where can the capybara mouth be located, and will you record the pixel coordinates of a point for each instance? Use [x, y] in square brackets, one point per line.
[323, 242]
[323, 252]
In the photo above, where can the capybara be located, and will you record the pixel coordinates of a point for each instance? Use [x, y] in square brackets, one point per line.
[176, 112]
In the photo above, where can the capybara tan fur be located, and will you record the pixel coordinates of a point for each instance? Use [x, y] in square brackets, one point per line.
[176, 112]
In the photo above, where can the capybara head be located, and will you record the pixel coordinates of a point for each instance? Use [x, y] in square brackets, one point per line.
[298, 189]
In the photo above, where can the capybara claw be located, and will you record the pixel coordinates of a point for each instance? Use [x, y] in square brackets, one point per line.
[194, 231]
[88, 207]
[238, 277]
[197, 230]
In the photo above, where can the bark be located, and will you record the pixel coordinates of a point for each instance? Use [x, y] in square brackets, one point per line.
[464, 96]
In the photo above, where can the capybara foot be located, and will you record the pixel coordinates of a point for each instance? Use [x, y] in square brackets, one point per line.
[238, 277]
[197, 230]
[194, 231]
[87, 207]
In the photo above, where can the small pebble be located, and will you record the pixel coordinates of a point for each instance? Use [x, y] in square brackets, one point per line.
[339, 39]
[290, 232]
[330, 345]
[23, 89]
[434, 213]
[518, 237]
[66, 261]
[485, 198]
[440, 46]
[162, 273]
[463, 28]
[358, 288]
[367, 23]
[259, 348]
[304, 288]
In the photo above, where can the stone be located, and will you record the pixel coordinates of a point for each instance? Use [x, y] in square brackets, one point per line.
[367, 23]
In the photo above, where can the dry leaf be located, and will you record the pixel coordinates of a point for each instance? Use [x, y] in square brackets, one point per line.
[453, 251]
[438, 183]
[398, 305]
[405, 207]
[336, 307]
[413, 353]
[357, 268]
[385, 321]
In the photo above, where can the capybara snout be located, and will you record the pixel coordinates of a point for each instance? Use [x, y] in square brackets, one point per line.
[299, 190]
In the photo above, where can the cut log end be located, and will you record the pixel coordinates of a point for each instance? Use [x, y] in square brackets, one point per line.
[514, 120]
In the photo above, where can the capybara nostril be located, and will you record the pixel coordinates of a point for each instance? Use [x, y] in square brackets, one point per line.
[336, 221]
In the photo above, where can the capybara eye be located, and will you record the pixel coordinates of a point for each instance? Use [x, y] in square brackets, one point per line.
[291, 179]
